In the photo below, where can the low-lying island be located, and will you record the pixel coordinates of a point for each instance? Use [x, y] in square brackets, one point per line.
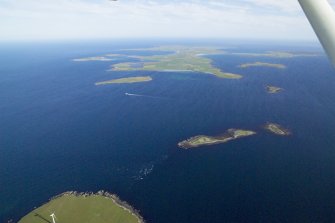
[203, 140]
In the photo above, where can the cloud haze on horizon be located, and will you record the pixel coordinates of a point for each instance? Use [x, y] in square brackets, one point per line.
[91, 19]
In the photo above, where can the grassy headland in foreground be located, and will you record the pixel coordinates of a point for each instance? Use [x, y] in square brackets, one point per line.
[73, 207]
[127, 80]
[202, 140]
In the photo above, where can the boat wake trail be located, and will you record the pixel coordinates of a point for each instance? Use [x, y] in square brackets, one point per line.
[136, 95]
[142, 95]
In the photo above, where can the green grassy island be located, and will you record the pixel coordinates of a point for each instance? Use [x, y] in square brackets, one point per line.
[73, 207]
[272, 89]
[261, 64]
[202, 140]
[180, 59]
[127, 80]
[277, 129]
[278, 54]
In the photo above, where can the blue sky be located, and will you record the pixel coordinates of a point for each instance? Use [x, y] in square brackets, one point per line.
[91, 19]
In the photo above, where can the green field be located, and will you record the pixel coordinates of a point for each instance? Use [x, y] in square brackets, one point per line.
[70, 208]
[181, 59]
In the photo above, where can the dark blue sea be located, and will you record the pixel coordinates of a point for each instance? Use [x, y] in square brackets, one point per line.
[60, 132]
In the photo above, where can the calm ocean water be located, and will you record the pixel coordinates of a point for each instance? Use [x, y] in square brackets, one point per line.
[59, 132]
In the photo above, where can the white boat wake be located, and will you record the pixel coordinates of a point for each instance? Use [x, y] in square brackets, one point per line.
[137, 95]
[142, 95]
